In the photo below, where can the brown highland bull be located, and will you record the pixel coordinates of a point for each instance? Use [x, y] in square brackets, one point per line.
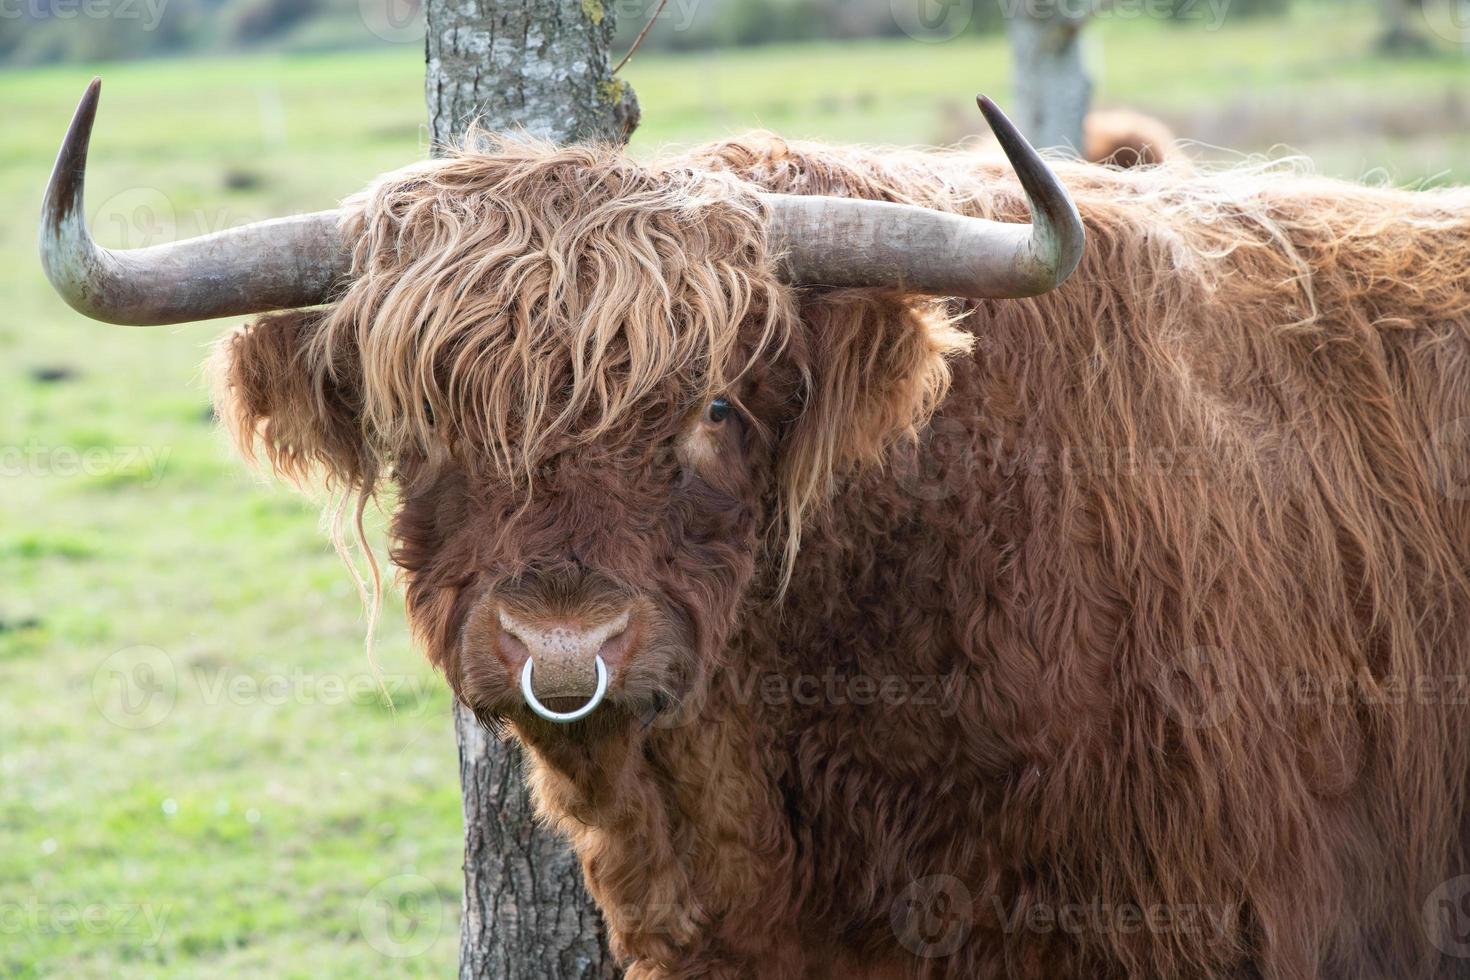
[1122, 631]
[1119, 138]
[1123, 138]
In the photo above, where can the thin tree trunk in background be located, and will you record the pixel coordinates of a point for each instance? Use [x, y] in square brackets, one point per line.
[1052, 90]
[1398, 34]
[541, 65]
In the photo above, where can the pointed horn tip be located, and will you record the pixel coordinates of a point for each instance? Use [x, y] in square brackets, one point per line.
[79, 133]
[87, 107]
[1049, 199]
[1000, 124]
[67, 174]
[241, 270]
[62, 203]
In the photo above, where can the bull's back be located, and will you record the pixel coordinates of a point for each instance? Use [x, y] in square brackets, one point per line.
[1192, 533]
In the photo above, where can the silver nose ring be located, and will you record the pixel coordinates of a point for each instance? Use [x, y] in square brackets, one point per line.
[564, 716]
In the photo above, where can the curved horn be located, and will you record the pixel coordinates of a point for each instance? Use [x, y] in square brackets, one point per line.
[278, 264]
[835, 241]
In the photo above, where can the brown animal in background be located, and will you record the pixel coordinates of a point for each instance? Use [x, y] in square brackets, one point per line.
[1120, 631]
[1112, 137]
[1123, 138]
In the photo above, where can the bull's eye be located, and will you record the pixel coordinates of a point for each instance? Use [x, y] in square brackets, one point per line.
[718, 411]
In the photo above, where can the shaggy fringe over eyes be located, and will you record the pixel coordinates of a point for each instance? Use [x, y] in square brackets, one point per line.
[529, 299]
[515, 303]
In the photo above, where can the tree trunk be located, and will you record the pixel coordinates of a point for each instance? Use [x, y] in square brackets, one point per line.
[1052, 87]
[526, 913]
[1398, 34]
[541, 65]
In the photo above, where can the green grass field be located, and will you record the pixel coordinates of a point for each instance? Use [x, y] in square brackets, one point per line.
[196, 776]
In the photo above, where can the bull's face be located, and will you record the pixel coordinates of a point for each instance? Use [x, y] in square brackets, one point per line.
[603, 412]
[578, 533]
[603, 396]
[615, 573]
[601, 443]
[579, 372]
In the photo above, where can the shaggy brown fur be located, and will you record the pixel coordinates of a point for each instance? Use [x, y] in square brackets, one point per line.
[1143, 658]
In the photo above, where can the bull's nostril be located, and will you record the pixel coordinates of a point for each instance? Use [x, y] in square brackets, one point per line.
[515, 650]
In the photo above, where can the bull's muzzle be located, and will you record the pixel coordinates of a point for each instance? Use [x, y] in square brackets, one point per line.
[565, 658]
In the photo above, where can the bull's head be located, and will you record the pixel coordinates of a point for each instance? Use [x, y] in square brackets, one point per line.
[603, 391]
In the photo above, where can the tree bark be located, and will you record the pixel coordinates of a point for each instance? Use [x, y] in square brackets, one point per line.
[526, 912]
[540, 65]
[1052, 90]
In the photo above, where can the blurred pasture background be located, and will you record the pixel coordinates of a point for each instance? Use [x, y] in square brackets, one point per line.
[198, 776]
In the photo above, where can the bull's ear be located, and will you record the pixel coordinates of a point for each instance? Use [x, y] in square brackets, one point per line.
[877, 365]
[277, 399]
